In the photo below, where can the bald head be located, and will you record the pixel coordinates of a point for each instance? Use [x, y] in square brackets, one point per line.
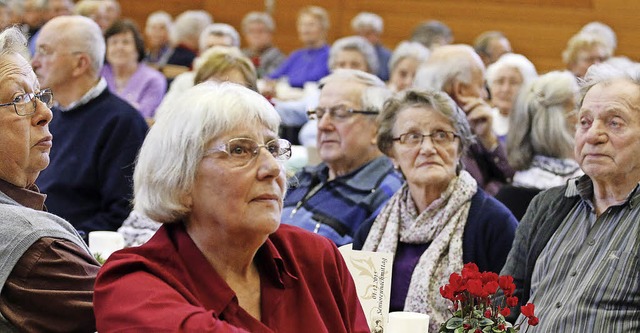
[77, 34]
[455, 69]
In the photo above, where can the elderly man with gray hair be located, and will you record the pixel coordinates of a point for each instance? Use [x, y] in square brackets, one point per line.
[354, 178]
[459, 71]
[576, 250]
[47, 273]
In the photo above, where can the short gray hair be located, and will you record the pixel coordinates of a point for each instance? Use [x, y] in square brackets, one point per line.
[482, 42]
[13, 41]
[436, 100]
[161, 17]
[318, 13]
[189, 24]
[355, 43]
[579, 42]
[603, 72]
[447, 64]
[219, 29]
[408, 49]
[537, 123]
[168, 160]
[512, 60]
[82, 34]
[373, 96]
[604, 31]
[260, 17]
[431, 32]
[367, 20]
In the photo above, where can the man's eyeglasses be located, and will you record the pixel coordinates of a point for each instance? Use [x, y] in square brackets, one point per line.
[25, 104]
[438, 137]
[243, 150]
[337, 113]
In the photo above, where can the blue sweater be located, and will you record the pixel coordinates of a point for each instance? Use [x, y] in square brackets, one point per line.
[304, 65]
[88, 181]
[486, 241]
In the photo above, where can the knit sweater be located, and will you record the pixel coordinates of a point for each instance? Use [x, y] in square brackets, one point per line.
[88, 181]
[20, 227]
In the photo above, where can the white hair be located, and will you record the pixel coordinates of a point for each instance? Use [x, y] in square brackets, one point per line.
[408, 49]
[373, 96]
[367, 20]
[219, 29]
[604, 31]
[168, 160]
[189, 24]
[355, 43]
[512, 60]
[447, 64]
[260, 17]
[161, 17]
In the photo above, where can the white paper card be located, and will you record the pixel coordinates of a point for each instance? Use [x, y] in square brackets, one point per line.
[371, 272]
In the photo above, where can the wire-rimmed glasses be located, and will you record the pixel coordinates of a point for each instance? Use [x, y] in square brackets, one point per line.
[415, 138]
[25, 104]
[241, 151]
[337, 113]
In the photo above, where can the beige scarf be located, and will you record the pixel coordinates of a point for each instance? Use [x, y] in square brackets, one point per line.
[441, 224]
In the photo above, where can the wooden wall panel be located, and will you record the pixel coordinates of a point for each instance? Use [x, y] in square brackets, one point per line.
[538, 29]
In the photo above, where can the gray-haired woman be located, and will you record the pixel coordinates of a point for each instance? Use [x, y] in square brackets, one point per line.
[439, 219]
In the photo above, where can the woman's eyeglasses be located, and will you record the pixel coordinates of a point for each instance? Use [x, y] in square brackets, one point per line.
[25, 104]
[243, 150]
[438, 137]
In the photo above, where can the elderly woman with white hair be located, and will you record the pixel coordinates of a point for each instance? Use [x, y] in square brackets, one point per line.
[211, 170]
[505, 77]
[540, 143]
[404, 63]
[185, 35]
[370, 26]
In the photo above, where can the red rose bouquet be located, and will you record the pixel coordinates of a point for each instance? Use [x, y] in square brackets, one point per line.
[474, 308]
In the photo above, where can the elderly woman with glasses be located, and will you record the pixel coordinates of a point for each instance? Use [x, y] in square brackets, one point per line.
[211, 170]
[439, 219]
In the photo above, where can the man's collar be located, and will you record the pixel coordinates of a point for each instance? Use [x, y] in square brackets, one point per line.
[29, 197]
[94, 92]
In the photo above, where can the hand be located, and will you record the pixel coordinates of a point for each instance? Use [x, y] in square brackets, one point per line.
[480, 119]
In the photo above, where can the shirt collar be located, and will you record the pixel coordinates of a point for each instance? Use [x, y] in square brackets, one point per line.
[29, 197]
[583, 187]
[91, 94]
[365, 178]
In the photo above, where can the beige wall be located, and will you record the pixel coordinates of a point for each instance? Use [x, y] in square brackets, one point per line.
[539, 29]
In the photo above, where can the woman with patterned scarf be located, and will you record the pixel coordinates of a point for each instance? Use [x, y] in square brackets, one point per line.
[439, 219]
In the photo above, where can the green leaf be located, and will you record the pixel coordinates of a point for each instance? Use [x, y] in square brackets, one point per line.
[459, 330]
[486, 329]
[485, 322]
[454, 323]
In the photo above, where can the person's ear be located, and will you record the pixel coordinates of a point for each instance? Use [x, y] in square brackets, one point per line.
[82, 64]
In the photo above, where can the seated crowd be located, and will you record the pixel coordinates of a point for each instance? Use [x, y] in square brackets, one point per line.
[441, 154]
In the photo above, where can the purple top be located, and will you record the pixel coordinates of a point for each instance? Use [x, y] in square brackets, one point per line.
[144, 90]
[304, 65]
[404, 263]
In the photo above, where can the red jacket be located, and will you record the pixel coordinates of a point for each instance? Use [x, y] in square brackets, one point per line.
[167, 285]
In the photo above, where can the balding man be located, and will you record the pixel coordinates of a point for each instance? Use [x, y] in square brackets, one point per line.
[459, 71]
[98, 135]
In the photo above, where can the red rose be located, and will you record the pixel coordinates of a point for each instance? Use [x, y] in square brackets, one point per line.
[475, 288]
[533, 321]
[505, 312]
[478, 330]
[489, 276]
[455, 280]
[506, 284]
[512, 301]
[487, 313]
[491, 287]
[527, 310]
[447, 292]
[501, 327]
[466, 326]
[471, 271]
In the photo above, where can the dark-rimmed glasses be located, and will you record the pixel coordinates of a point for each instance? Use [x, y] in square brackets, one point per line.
[241, 151]
[414, 138]
[337, 113]
[25, 104]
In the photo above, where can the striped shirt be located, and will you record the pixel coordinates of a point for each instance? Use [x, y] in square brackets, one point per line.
[587, 278]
